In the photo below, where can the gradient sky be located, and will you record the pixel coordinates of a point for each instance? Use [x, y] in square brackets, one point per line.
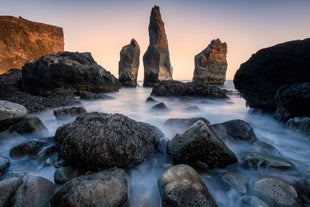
[104, 27]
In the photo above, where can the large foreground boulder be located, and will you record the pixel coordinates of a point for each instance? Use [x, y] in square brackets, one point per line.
[10, 113]
[259, 79]
[181, 186]
[102, 189]
[178, 88]
[156, 59]
[70, 70]
[200, 144]
[211, 63]
[97, 140]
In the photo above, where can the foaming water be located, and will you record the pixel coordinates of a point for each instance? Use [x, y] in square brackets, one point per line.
[143, 188]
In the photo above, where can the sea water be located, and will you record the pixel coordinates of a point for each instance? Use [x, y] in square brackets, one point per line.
[143, 190]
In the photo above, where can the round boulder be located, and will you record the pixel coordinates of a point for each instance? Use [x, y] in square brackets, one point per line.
[10, 113]
[96, 140]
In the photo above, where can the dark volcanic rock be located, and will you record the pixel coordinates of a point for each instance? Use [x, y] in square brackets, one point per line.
[63, 113]
[22, 40]
[293, 101]
[211, 63]
[86, 95]
[200, 144]
[156, 59]
[10, 113]
[29, 125]
[181, 186]
[177, 88]
[299, 124]
[259, 79]
[70, 70]
[96, 140]
[102, 189]
[128, 65]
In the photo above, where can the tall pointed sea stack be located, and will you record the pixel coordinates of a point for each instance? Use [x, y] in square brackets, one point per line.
[156, 59]
[128, 65]
[211, 63]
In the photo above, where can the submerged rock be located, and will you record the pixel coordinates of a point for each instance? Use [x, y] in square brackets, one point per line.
[8, 188]
[10, 113]
[4, 163]
[128, 65]
[30, 124]
[181, 186]
[30, 147]
[105, 188]
[183, 123]
[259, 78]
[150, 99]
[211, 63]
[97, 140]
[299, 124]
[236, 181]
[70, 70]
[200, 143]
[86, 95]
[251, 201]
[156, 59]
[64, 174]
[160, 107]
[63, 113]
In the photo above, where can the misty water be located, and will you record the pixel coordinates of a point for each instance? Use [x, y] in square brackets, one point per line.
[143, 190]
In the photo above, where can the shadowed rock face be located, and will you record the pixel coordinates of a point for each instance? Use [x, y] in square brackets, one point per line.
[22, 40]
[156, 59]
[211, 63]
[128, 65]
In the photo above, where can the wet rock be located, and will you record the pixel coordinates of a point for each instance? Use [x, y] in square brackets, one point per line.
[160, 107]
[30, 147]
[259, 78]
[10, 113]
[265, 148]
[211, 63]
[300, 125]
[150, 100]
[96, 140]
[251, 201]
[128, 65]
[261, 161]
[64, 174]
[183, 123]
[236, 129]
[35, 191]
[200, 143]
[30, 124]
[181, 185]
[178, 88]
[105, 188]
[192, 108]
[277, 192]
[236, 181]
[63, 113]
[4, 163]
[292, 101]
[156, 59]
[70, 70]
[7, 189]
[86, 95]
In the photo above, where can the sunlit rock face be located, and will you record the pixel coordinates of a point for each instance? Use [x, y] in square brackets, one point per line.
[211, 63]
[128, 65]
[22, 40]
[156, 59]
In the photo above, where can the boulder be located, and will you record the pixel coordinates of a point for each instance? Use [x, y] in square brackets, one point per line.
[292, 101]
[200, 143]
[86, 95]
[236, 129]
[97, 140]
[70, 70]
[26, 40]
[277, 192]
[64, 174]
[181, 186]
[236, 181]
[63, 113]
[31, 124]
[299, 124]
[156, 59]
[183, 124]
[128, 65]
[178, 88]
[10, 113]
[160, 107]
[105, 188]
[259, 78]
[30, 147]
[4, 163]
[211, 63]
[7, 189]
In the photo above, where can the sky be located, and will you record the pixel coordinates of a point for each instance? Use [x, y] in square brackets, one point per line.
[103, 27]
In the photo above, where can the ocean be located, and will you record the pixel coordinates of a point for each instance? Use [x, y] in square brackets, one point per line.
[143, 190]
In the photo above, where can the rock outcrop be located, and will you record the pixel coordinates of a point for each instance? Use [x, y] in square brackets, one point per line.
[22, 40]
[211, 63]
[156, 59]
[128, 65]
[259, 78]
[70, 70]
[10, 113]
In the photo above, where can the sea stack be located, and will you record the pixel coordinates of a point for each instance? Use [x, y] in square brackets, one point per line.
[156, 59]
[22, 40]
[211, 63]
[128, 65]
